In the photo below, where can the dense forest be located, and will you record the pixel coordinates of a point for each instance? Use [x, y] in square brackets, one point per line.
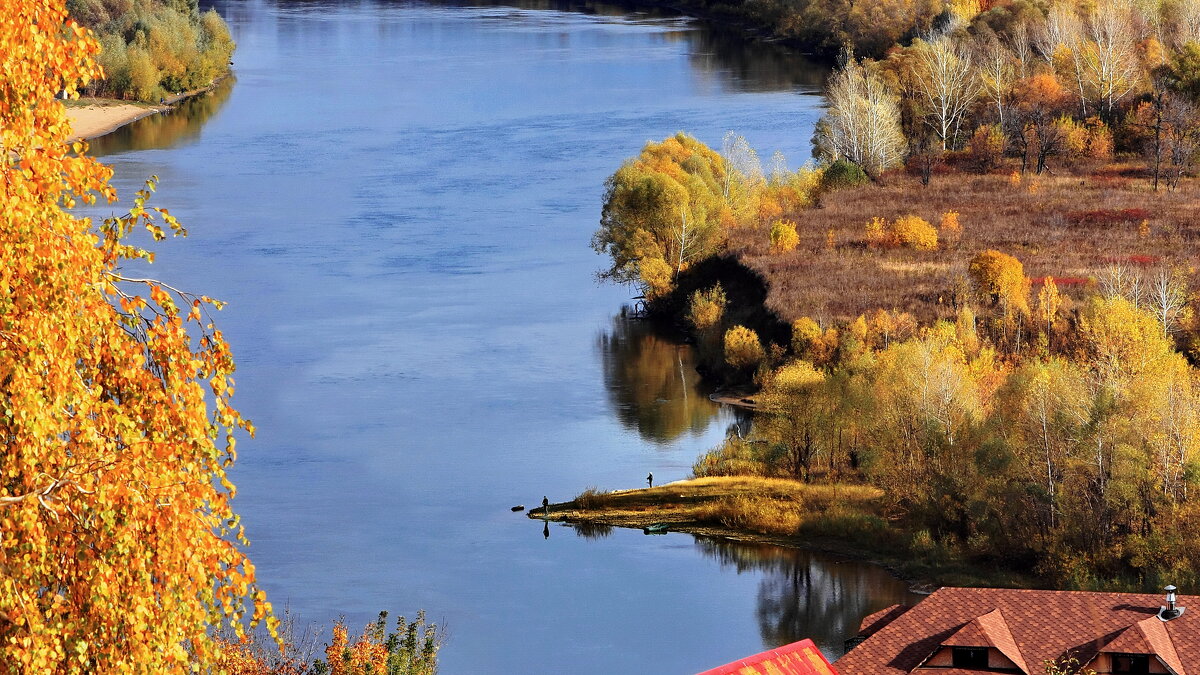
[980, 299]
[151, 49]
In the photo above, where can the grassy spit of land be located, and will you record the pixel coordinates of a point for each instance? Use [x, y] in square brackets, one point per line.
[843, 519]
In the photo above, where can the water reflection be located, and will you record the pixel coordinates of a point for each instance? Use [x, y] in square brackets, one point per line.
[752, 66]
[652, 382]
[592, 530]
[170, 129]
[804, 594]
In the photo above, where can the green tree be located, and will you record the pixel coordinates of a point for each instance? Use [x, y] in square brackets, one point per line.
[663, 211]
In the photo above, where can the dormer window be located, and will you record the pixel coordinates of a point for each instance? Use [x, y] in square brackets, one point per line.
[974, 657]
[1131, 664]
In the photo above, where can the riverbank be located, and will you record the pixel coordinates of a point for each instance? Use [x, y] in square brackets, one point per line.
[840, 519]
[94, 117]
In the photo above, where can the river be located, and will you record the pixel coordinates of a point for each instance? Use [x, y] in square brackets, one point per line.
[396, 200]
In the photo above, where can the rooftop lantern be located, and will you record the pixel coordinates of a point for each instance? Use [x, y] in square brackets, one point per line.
[1170, 611]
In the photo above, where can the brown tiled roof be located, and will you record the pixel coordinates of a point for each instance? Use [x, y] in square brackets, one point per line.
[989, 630]
[1042, 625]
[1148, 636]
[874, 622]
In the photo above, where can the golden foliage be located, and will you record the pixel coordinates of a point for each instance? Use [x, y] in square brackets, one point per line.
[986, 147]
[706, 308]
[120, 548]
[784, 237]
[742, 348]
[1049, 302]
[950, 228]
[1001, 279]
[913, 232]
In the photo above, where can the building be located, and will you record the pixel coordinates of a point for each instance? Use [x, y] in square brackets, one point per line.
[798, 658]
[956, 631]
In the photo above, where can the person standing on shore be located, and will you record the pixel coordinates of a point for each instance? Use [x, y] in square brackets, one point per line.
[650, 479]
[545, 506]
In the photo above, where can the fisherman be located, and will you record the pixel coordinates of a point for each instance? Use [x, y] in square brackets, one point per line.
[650, 479]
[545, 505]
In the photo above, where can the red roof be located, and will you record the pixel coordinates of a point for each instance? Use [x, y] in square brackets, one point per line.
[798, 658]
[1028, 627]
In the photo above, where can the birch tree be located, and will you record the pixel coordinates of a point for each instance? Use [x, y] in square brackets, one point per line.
[996, 74]
[862, 124]
[1060, 41]
[1111, 67]
[947, 82]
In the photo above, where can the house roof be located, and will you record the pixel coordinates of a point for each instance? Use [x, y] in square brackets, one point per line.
[1029, 627]
[1148, 636]
[798, 658]
[873, 623]
[989, 630]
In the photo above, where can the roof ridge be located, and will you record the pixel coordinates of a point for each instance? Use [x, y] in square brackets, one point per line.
[1155, 632]
[997, 630]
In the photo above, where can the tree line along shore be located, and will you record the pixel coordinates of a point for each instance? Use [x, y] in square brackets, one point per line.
[980, 300]
[153, 49]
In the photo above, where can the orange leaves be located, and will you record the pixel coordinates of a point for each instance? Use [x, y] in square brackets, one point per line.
[117, 553]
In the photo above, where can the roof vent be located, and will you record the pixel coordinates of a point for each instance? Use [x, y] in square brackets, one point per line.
[1170, 611]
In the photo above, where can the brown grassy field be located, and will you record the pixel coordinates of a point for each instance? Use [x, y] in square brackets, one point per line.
[1070, 227]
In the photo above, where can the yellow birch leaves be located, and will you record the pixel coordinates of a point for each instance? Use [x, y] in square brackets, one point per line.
[119, 550]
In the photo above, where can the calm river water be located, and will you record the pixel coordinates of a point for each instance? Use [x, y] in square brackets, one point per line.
[396, 199]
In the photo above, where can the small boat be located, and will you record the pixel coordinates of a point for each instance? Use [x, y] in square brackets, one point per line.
[518, 507]
[656, 528]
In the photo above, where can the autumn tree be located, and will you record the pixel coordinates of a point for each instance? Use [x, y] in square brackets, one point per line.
[795, 410]
[410, 649]
[1034, 126]
[743, 175]
[120, 549]
[948, 83]
[662, 211]
[1000, 279]
[863, 121]
[996, 74]
[1111, 67]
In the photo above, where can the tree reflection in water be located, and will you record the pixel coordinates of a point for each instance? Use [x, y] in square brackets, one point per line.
[592, 530]
[168, 129]
[804, 594]
[652, 382]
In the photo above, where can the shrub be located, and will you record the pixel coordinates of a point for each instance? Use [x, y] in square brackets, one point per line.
[913, 232]
[841, 174]
[877, 232]
[1099, 139]
[805, 332]
[784, 237]
[743, 349]
[986, 147]
[1074, 137]
[950, 224]
[706, 308]
[1000, 278]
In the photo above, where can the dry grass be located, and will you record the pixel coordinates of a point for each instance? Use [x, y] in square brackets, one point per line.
[1070, 227]
[771, 506]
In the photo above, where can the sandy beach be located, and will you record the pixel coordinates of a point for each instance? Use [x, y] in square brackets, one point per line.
[96, 117]
[92, 117]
